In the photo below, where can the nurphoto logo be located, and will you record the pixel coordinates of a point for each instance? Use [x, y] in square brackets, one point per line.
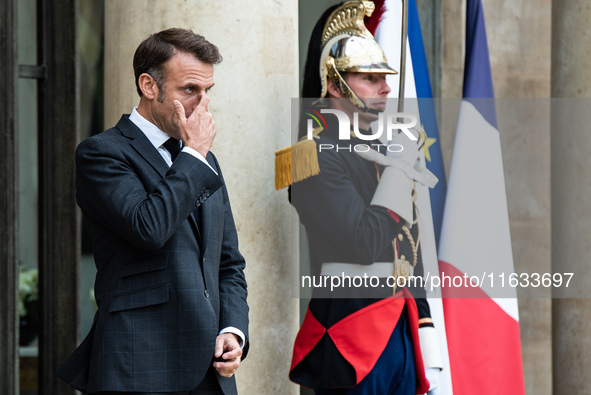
[386, 122]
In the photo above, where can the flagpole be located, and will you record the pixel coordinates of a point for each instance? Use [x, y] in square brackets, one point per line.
[403, 55]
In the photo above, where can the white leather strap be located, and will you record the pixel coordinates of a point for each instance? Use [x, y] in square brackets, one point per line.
[377, 269]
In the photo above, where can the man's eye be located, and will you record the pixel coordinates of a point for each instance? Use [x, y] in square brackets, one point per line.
[189, 89]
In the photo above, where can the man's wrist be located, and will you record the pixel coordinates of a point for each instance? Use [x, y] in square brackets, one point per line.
[237, 332]
[197, 155]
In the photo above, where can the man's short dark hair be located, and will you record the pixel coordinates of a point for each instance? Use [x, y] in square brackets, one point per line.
[152, 54]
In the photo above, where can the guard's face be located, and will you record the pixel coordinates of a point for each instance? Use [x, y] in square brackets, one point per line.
[187, 80]
[372, 88]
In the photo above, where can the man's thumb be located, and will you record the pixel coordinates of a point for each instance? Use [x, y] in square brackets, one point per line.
[219, 348]
[179, 109]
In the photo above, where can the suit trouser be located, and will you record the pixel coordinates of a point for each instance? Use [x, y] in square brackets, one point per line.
[394, 372]
[208, 386]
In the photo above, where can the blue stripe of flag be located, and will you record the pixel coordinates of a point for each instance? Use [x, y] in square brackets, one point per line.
[477, 73]
[428, 118]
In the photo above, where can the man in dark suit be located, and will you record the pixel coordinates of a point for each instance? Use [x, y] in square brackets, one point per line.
[172, 314]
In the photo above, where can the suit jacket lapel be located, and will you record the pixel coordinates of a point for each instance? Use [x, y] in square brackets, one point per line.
[142, 145]
[145, 148]
[201, 217]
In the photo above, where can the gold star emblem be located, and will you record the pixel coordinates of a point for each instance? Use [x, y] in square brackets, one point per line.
[424, 141]
[428, 143]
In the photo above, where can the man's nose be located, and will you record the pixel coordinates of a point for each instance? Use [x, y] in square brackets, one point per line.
[195, 103]
[200, 97]
[385, 87]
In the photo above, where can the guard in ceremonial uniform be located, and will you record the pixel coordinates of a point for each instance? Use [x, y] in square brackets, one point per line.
[359, 214]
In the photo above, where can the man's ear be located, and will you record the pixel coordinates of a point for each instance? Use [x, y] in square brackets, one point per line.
[148, 86]
[333, 90]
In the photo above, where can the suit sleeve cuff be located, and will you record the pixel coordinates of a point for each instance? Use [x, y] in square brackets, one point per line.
[197, 155]
[237, 332]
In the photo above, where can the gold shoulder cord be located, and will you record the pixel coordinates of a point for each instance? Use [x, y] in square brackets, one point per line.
[402, 267]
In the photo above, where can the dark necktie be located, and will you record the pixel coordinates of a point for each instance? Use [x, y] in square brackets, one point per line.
[173, 146]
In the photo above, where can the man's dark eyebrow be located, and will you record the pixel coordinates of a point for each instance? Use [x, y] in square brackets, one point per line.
[211, 86]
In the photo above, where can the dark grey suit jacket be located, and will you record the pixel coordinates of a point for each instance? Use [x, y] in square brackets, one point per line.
[168, 279]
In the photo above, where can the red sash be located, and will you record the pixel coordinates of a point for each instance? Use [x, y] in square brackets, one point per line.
[362, 336]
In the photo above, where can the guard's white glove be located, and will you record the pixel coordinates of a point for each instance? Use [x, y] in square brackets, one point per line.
[432, 375]
[406, 150]
[402, 162]
[394, 191]
[401, 147]
[403, 153]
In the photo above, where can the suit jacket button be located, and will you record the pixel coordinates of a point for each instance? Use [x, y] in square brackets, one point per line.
[206, 293]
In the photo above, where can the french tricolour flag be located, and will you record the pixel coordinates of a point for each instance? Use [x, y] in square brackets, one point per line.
[482, 323]
[479, 331]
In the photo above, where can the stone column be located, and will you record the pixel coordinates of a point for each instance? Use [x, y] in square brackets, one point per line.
[571, 161]
[251, 106]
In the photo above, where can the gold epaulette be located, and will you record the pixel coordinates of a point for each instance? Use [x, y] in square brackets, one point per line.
[296, 162]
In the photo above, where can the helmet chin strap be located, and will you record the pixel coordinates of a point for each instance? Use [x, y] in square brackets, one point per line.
[356, 100]
[371, 110]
